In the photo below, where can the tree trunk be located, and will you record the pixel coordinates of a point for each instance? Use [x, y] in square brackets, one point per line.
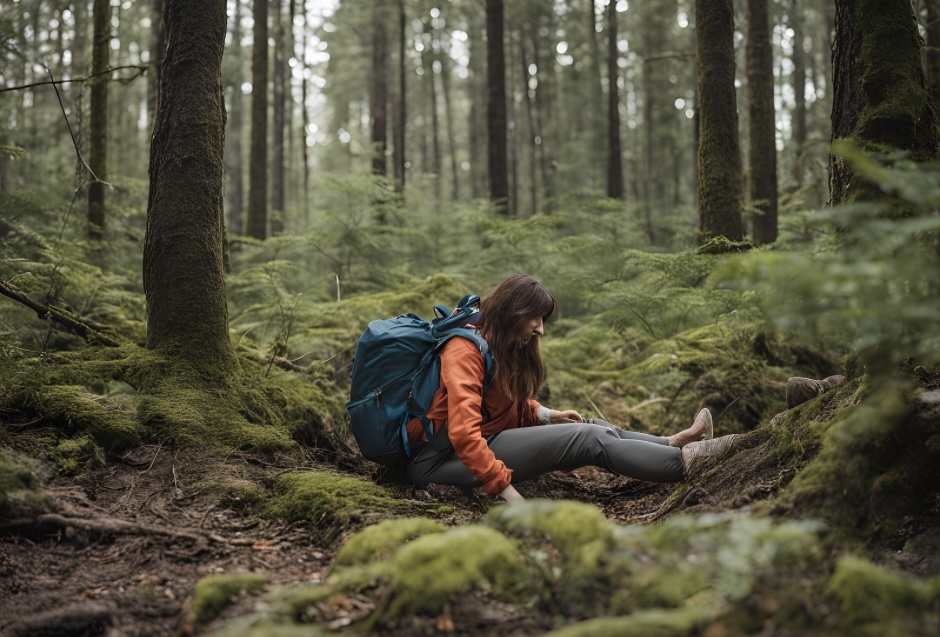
[278, 96]
[401, 113]
[881, 97]
[719, 156]
[182, 269]
[476, 84]
[614, 158]
[98, 124]
[304, 116]
[533, 130]
[427, 62]
[256, 225]
[157, 51]
[378, 89]
[799, 93]
[496, 143]
[233, 139]
[446, 74]
[933, 51]
[762, 143]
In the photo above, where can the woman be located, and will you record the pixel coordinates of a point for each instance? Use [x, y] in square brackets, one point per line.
[496, 439]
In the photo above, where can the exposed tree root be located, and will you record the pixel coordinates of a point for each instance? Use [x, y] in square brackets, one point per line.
[74, 620]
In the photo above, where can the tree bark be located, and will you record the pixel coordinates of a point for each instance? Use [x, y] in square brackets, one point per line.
[533, 129]
[799, 93]
[933, 51]
[614, 155]
[881, 97]
[497, 158]
[98, 124]
[401, 114]
[278, 96]
[378, 89]
[476, 87]
[762, 143]
[182, 269]
[233, 139]
[256, 225]
[157, 51]
[719, 155]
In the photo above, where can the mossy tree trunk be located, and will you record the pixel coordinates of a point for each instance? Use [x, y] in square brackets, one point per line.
[719, 159]
[762, 143]
[881, 98]
[98, 121]
[256, 224]
[496, 143]
[933, 51]
[614, 158]
[186, 307]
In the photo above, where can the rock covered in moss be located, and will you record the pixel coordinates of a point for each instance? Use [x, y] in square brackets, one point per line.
[215, 592]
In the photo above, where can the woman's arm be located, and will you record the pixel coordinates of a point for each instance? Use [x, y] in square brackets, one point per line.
[548, 416]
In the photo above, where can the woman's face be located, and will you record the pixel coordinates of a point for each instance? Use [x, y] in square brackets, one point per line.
[530, 328]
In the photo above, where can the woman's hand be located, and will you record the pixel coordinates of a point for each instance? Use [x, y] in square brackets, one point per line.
[510, 494]
[559, 417]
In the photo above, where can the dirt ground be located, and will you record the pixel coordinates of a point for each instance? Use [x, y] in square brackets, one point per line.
[134, 538]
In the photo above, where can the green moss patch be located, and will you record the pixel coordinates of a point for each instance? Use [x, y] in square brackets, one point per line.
[380, 541]
[876, 601]
[21, 479]
[215, 593]
[330, 501]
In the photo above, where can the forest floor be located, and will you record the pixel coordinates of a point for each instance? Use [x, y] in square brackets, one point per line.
[131, 540]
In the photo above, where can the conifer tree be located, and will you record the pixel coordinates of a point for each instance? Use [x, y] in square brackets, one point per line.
[256, 224]
[719, 159]
[378, 88]
[187, 317]
[98, 122]
[762, 143]
[614, 163]
[497, 150]
[881, 97]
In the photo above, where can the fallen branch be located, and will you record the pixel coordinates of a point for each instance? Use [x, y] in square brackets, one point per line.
[98, 525]
[91, 333]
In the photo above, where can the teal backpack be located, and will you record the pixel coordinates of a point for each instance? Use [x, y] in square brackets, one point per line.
[396, 372]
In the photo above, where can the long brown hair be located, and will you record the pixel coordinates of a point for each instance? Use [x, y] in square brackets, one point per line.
[505, 311]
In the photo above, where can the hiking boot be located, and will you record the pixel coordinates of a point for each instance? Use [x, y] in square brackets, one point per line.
[695, 453]
[801, 390]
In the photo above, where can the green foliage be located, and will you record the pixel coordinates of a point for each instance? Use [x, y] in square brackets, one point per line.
[564, 557]
[877, 290]
[874, 600]
[215, 593]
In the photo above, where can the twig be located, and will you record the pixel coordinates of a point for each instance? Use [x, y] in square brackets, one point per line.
[142, 68]
[603, 417]
[640, 316]
[74, 141]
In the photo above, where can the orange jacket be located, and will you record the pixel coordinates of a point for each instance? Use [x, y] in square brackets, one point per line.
[458, 401]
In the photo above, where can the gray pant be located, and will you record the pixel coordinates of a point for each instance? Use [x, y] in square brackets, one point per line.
[533, 451]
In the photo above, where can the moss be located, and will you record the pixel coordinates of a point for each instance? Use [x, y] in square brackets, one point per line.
[428, 570]
[380, 541]
[859, 446]
[685, 621]
[76, 409]
[579, 531]
[20, 481]
[216, 592]
[330, 501]
[73, 455]
[875, 601]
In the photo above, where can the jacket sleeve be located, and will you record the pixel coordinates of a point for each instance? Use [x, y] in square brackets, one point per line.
[462, 373]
